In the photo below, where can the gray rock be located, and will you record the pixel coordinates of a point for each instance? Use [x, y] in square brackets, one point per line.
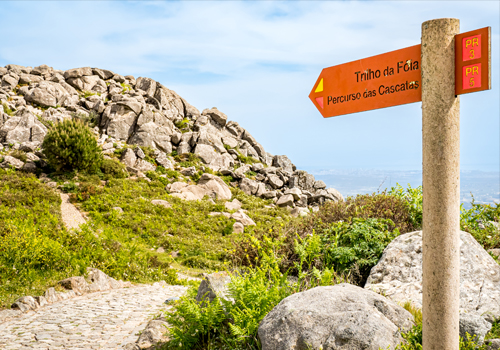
[213, 285]
[162, 159]
[29, 78]
[131, 346]
[77, 284]
[284, 163]
[102, 73]
[216, 185]
[206, 153]
[295, 192]
[50, 295]
[334, 317]
[285, 201]
[248, 186]
[241, 217]
[475, 325]
[29, 167]
[319, 184]
[493, 344]
[161, 202]
[143, 165]
[9, 161]
[230, 141]
[128, 157]
[42, 70]
[10, 80]
[47, 94]
[41, 301]
[398, 274]
[216, 115]
[275, 181]
[336, 194]
[99, 281]
[147, 85]
[302, 202]
[25, 304]
[234, 205]
[238, 227]
[269, 195]
[153, 334]
[140, 153]
[189, 171]
[88, 83]
[117, 209]
[77, 72]
[192, 192]
[235, 129]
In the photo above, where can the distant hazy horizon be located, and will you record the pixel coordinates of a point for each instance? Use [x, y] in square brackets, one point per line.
[484, 185]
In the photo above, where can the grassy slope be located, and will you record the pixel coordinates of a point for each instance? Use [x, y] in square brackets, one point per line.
[36, 250]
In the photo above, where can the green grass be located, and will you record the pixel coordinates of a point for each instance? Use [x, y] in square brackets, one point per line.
[37, 250]
[7, 110]
[203, 241]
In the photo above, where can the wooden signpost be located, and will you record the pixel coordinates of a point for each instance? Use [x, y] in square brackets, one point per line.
[445, 65]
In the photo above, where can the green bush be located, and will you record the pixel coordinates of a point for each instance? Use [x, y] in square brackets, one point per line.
[233, 324]
[478, 216]
[337, 218]
[19, 155]
[71, 145]
[91, 119]
[112, 168]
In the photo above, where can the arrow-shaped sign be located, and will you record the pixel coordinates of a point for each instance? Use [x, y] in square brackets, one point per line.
[380, 81]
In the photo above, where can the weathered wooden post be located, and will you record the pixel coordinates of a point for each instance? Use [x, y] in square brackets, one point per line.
[441, 186]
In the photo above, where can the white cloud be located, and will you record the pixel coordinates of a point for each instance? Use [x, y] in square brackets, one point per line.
[257, 62]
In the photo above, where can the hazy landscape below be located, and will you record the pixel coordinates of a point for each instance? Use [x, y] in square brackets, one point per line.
[484, 186]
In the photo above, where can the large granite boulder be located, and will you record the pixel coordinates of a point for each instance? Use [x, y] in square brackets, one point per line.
[398, 275]
[216, 185]
[47, 94]
[23, 127]
[340, 317]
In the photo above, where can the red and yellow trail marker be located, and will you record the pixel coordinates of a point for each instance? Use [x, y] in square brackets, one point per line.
[473, 61]
[380, 81]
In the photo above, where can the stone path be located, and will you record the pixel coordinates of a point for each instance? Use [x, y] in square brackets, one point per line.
[71, 217]
[103, 320]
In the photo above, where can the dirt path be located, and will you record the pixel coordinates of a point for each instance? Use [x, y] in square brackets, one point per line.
[71, 217]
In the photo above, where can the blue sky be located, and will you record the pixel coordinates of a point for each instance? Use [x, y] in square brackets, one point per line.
[257, 62]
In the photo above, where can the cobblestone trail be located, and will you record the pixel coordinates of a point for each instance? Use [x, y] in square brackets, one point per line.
[102, 320]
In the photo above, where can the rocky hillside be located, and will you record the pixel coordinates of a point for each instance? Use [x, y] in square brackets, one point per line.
[143, 112]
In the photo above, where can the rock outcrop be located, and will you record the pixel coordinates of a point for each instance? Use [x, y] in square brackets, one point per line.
[334, 317]
[143, 112]
[398, 275]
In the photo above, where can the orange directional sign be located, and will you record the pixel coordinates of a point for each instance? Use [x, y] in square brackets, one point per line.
[473, 61]
[385, 80]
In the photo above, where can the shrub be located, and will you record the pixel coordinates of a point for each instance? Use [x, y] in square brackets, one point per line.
[19, 155]
[113, 169]
[7, 110]
[183, 125]
[90, 119]
[71, 145]
[233, 324]
[476, 221]
[392, 216]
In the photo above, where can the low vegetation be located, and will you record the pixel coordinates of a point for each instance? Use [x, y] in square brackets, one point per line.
[130, 238]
